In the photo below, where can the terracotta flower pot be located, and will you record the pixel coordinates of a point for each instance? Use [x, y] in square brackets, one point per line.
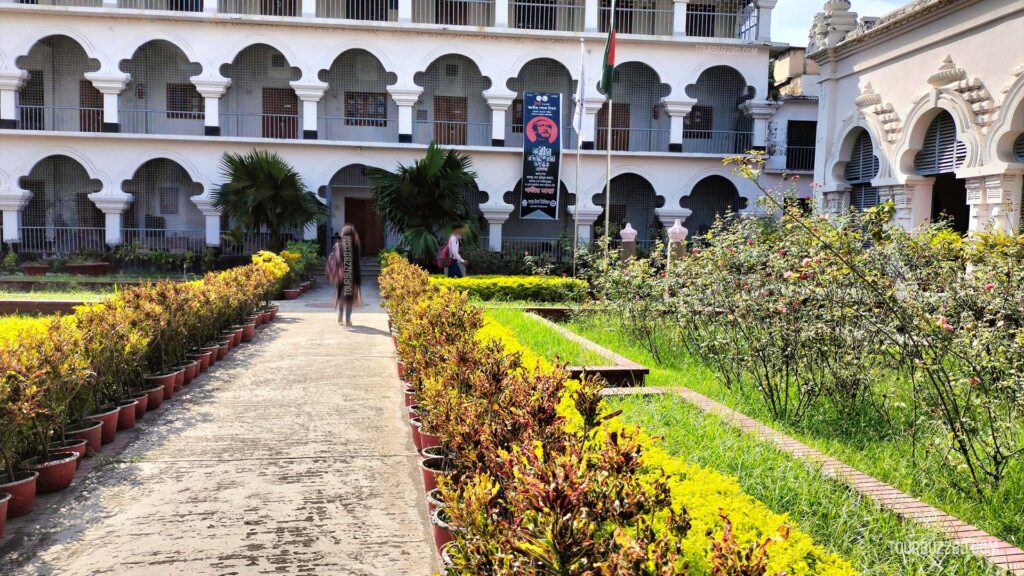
[229, 337]
[442, 531]
[88, 268]
[248, 332]
[126, 414]
[165, 380]
[76, 446]
[273, 311]
[434, 501]
[410, 396]
[435, 452]
[154, 396]
[191, 371]
[237, 334]
[143, 403]
[430, 469]
[108, 416]
[401, 370]
[35, 269]
[291, 293]
[179, 377]
[92, 432]
[5, 498]
[414, 427]
[446, 558]
[203, 358]
[56, 471]
[222, 350]
[22, 491]
[213, 354]
[428, 440]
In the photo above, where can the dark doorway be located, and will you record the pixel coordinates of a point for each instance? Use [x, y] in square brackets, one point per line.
[360, 213]
[450, 117]
[949, 201]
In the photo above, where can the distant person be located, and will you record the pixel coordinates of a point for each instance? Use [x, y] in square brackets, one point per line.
[343, 271]
[457, 265]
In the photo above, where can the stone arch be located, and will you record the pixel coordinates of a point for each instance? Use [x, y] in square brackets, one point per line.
[710, 198]
[356, 105]
[260, 102]
[160, 97]
[710, 64]
[452, 109]
[639, 120]
[162, 215]
[57, 95]
[920, 118]
[1009, 126]
[60, 217]
[716, 124]
[35, 36]
[178, 42]
[841, 156]
[633, 200]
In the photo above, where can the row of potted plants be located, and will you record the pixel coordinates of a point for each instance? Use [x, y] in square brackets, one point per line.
[529, 472]
[68, 389]
[301, 257]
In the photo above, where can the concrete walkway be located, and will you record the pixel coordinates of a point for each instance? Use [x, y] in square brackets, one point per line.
[290, 457]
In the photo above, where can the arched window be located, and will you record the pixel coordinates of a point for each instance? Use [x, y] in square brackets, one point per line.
[1018, 148]
[260, 103]
[452, 110]
[711, 198]
[357, 106]
[162, 215]
[633, 201]
[861, 168]
[941, 152]
[60, 218]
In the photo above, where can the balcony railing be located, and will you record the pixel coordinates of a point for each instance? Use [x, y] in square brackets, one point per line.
[447, 133]
[800, 158]
[454, 12]
[635, 139]
[371, 10]
[252, 242]
[717, 141]
[169, 5]
[260, 125]
[61, 118]
[261, 7]
[532, 246]
[155, 239]
[355, 129]
[647, 17]
[161, 122]
[76, 3]
[561, 15]
[61, 240]
[724, 19]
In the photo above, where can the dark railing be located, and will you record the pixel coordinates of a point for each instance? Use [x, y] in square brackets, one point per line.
[357, 129]
[635, 139]
[166, 240]
[61, 239]
[454, 12]
[800, 158]
[369, 10]
[60, 118]
[161, 122]
[561, 15]
[260, 125]
[717, 141]
[449, 133]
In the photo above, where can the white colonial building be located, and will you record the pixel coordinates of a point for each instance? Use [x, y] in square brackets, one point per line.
[114, 114]
[923, 106]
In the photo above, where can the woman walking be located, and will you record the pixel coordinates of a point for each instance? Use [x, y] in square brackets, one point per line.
[343, 271]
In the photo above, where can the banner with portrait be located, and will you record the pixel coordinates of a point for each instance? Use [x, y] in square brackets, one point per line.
[542, 155]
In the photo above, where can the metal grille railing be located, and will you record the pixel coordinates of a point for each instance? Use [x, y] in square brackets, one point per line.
[260, 102]
[260, 7]
[561, 15]
[799, 158]
[162, 215]
[373, 10]
[717, 141]
[161, 122]
[647, 17]
[541, 75]
[281, 126]
[448, 133]
[635, 139]
[722, 19]
[253, 242]
[715, 124]
[61, 240]
[57, 96]
[160, 97]
[639, 121]
[75, 3]
[170, 5]
[452, 110]
[155, 239]
[552, 247]
[357, 106]
[60, 202]
[711, 198]
[454, 12]
[357, 129]
[66, 118]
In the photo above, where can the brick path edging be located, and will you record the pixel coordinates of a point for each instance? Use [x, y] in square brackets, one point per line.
[995, 550]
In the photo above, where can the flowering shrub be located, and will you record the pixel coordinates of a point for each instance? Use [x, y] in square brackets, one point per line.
[56, 374]
[528, 288]
[544, 479]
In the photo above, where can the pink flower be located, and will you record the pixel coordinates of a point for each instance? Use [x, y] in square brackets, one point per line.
[788, 274]
[526, 253]
[750, 242]
[804, 276]
[805, 261]
[989, 286]
[944, 322]
[781, 252]
[974, 380]
[783, 309]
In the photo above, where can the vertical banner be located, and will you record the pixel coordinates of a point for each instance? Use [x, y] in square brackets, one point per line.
[542, 155]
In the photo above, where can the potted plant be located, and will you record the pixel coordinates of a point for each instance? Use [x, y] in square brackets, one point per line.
[5, 498]
[19, 405]
[35, 267]
[87, 264]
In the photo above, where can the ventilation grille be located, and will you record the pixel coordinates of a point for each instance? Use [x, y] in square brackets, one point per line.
[941, 151]
[863, 196]
[1018, 148]
[863, 165]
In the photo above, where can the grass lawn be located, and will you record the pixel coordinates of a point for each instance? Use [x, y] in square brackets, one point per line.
[888, 453]
[11, 327]
[875, 541]
[76, 294]
[535, 335]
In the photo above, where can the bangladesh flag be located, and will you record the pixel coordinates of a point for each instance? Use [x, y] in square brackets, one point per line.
[609, 58]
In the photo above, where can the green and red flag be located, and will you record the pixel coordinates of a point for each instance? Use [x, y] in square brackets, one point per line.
[608, 72]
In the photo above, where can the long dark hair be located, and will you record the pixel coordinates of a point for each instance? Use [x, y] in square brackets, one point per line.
[350, 230]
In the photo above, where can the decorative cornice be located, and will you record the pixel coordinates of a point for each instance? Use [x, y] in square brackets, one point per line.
[405, 96]
[309, 91]
[947, 74]
[205, 204]
[499, 99]
[14, 199]
[111, 202]
[108, 83]
[211, 87]
[762, 110]
[679, 107]
[12, 79]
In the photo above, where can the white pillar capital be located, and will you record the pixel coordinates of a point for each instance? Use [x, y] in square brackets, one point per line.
[113, 205]
[13, 79]
[309, 91]
[210, 86]
[405, 96]
[499, 99]
[679, 107]
[108, 82]
[212, 215]
[760, 110]
[496, 215]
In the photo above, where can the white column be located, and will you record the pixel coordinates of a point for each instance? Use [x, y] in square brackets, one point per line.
[764, 19]
[12, 201]
[977, 204]
[501, 13]
[205, 204]
[113, 205]
[499, 101]
[404, 11]
[405, 98]
[761, 112]
[309, 8]
[995, 202]
[591, 106]
[590, 15]
[496, 217]
[211, 88]
[110, 84]
[310, 93]
[585, 220]
[677, 111]
[679, 17]
[10, 82]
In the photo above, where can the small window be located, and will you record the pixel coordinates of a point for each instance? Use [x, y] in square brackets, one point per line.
[517, 116]
[698, 123]
[366, 109]
[422, 115]
[168, 200]
[185, 102]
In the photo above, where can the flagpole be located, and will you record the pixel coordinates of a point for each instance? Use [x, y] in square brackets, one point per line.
[608, 135]
[579, 148]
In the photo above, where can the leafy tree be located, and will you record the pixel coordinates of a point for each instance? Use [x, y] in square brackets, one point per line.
[426, 199]
[263, 191]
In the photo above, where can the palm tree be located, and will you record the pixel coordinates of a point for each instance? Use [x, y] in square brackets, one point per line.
[426, 199]
[263, 191]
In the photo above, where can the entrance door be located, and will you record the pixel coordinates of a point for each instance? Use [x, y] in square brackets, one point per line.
[450, 117]
[949, 201]
[620, 127]
[90, 102]
[280, 113]
[360, 213]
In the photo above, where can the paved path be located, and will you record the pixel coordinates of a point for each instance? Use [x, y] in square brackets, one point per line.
[290, 457]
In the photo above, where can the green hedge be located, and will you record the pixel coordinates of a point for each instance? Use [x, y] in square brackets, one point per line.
[529, 288]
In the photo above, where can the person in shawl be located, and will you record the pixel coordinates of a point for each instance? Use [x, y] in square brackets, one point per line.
[343, 271]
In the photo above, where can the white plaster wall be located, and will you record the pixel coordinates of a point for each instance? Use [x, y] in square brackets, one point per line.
[790, 109]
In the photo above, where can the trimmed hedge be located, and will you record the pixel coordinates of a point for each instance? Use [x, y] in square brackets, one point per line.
[526, 288]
